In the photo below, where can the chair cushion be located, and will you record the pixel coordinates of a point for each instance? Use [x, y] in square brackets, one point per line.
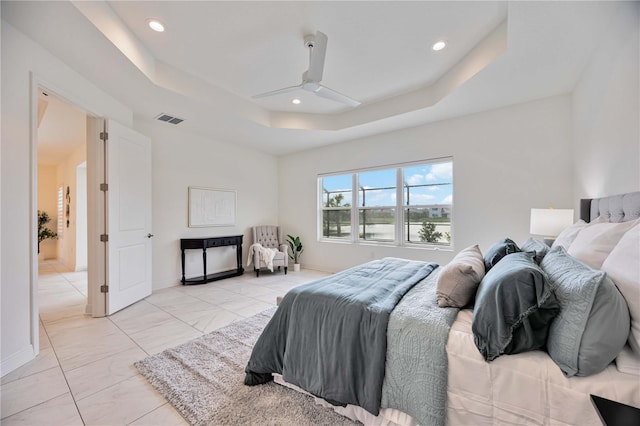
[280, 259]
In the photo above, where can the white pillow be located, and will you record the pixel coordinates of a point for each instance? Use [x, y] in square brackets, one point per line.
[570, 233]
[623, 267]
[593, 243]
[628, 362]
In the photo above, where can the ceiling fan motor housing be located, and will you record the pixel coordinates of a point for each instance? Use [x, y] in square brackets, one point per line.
[317, 45]
[310, 86]
[310, 40]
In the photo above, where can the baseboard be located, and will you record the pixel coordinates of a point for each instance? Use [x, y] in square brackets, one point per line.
[314, 268]
[16, 360]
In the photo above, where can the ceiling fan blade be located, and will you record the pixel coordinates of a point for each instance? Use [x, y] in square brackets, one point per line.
[316, 57]
[325, 92]
[277, 92]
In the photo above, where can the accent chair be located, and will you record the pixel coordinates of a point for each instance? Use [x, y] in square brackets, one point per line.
[271, 237]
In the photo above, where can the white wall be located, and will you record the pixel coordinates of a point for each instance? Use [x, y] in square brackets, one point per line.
[180, 160]
[20, 58]
[606, 123]
[506, 161]
[67, 177]
[48, 202]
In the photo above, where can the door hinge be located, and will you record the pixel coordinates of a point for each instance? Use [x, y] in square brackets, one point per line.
[104, 187]
[104, 237]
[104, 136]
[104, 288]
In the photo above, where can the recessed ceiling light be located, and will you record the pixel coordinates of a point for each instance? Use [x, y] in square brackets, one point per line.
[155, 25]
[439, 45]
[296, 101]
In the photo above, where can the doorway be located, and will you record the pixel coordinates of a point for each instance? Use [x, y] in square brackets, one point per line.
[62, 192]
[103, 176]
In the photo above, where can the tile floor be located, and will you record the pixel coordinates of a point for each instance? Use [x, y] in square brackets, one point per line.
[84, 373]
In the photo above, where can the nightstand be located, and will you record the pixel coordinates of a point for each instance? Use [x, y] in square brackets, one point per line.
[614, 413]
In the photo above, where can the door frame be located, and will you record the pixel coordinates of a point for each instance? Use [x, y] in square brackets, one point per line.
[94, 159]
[96, 218]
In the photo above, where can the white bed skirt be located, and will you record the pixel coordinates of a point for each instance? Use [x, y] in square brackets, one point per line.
[387, 416]
[526, 389]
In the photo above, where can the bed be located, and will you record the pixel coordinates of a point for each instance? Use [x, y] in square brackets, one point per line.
[430, 379]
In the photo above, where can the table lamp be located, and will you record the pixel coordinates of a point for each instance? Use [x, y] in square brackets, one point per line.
[550, 222]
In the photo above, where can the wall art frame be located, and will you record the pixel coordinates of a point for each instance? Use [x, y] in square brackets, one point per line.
[211, 207]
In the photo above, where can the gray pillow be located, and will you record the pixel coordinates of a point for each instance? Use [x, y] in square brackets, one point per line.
[537, 247]
[593, 324]
[514, 307]
[498, 251]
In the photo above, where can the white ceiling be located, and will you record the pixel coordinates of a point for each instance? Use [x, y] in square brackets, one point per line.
[61, 131]
[214, 56]
[375, 49]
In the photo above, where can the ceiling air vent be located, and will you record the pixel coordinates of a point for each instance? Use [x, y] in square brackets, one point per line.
[169, 119]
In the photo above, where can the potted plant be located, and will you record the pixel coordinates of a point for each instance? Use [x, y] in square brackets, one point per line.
[296, 251]
[43, 231]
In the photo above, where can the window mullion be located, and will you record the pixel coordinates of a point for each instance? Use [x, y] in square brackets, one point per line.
[399, 240]
[320, 218]
[355, 203]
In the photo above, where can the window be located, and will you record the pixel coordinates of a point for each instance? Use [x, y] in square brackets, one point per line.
[428, 196]
[336, 197]
[377, 205]
[410, 204]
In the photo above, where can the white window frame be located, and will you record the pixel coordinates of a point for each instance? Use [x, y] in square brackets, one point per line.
[359, 207]
[400, 239]
[60, 211]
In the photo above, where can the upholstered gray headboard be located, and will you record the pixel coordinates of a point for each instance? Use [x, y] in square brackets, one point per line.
[617, 208]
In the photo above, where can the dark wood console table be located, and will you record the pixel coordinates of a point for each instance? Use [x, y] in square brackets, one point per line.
[204, 244]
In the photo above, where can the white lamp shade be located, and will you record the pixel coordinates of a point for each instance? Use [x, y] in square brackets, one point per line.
[550, 222]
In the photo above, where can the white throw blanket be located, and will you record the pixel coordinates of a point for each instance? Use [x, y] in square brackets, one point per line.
[265, 255]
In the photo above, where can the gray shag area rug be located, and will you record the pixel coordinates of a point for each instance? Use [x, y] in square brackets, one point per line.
[204, 380]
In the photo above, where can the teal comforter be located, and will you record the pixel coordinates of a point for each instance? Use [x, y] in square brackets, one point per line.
[329, 337]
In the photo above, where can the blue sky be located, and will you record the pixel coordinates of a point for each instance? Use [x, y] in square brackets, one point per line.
[429, 174]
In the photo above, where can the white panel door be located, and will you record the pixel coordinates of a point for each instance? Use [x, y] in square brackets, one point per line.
[128, 217]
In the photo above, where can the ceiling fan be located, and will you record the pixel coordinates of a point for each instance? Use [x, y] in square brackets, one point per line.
[317, 45]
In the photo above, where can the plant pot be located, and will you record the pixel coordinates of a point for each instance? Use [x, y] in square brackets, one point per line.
[296, 267]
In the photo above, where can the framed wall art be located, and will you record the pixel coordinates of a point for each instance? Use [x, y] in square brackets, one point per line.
[211, 207]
